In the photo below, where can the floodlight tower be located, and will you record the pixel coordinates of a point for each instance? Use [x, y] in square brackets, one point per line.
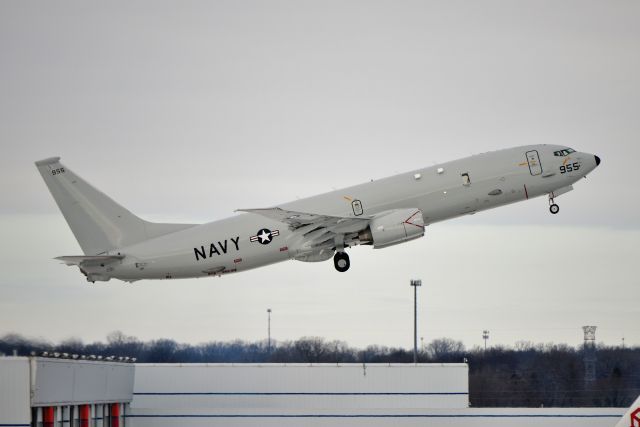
[589, 355]
[485, 337]
[269, 330]
[415, 284]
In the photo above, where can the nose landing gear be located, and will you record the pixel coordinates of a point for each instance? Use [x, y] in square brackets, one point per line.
[553, 208]
[341, 261]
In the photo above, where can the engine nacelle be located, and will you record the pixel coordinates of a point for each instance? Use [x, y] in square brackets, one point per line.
[393, 227]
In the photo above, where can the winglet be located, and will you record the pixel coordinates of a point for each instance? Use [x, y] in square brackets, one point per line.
[632, 417]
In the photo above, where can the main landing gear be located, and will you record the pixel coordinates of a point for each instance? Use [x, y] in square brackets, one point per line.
[553, 208]
[341, 261]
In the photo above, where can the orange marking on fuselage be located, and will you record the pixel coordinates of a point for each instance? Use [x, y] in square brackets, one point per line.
[523, 164]
[564, 162]
[347, 198]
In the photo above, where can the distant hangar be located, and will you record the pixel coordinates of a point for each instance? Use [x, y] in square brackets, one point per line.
[45, 392]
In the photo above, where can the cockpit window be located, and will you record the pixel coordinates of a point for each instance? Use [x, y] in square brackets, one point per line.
[565, 152]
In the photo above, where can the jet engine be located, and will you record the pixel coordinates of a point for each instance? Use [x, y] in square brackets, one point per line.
[393, 227]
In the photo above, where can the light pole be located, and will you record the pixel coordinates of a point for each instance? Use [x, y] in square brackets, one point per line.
[269, 330]
[485, 337]
[415, 284]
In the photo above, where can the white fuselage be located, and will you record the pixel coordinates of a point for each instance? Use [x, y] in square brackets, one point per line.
[441, 192]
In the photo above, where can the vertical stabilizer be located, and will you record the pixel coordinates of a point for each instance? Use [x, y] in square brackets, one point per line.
[98, 223]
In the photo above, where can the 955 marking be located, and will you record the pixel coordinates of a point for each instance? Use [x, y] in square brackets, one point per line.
[57, 171]
[571, 167]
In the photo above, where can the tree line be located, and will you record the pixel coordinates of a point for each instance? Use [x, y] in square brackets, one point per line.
[524, 375]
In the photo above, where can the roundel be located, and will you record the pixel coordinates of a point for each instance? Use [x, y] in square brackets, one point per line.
[264, 236]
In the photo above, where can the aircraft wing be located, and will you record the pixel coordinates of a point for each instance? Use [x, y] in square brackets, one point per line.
[316, 228]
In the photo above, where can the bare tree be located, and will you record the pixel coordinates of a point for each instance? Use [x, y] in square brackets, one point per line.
[441, 348]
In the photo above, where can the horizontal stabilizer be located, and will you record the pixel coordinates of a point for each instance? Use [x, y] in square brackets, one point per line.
[88, 259]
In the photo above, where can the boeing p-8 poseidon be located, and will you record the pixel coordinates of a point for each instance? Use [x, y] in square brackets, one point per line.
[381, 213]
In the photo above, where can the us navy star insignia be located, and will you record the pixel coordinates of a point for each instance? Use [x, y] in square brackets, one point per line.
[264, 236]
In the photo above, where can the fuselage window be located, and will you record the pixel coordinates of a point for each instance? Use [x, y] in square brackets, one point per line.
[466, 181]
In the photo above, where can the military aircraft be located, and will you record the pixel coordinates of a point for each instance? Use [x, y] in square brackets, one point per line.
[381, 213]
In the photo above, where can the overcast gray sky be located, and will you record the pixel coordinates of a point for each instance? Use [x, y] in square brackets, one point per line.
[185, 111]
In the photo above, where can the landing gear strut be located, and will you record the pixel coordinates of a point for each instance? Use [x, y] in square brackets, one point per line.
[341, 261]
[553, 208]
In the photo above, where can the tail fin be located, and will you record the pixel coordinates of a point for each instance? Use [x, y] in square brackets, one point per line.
[632, 417]
[99, 223]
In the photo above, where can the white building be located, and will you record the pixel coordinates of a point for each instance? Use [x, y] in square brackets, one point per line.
[64, 393]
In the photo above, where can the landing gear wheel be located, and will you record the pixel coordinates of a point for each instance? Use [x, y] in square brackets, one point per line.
[341, 261]
[554, 209]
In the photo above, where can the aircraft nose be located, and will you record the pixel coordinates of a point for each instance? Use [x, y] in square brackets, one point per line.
[597, 160]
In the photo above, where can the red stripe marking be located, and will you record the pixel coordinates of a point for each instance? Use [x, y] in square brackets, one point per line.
[284, 248]
[407, 221]
[237, 260]
[526, 194]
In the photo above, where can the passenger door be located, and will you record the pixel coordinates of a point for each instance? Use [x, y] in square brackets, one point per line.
[533, 159]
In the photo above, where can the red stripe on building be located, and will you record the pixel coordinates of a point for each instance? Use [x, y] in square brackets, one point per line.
[85, 415]
[115, 415]
[48, 416]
